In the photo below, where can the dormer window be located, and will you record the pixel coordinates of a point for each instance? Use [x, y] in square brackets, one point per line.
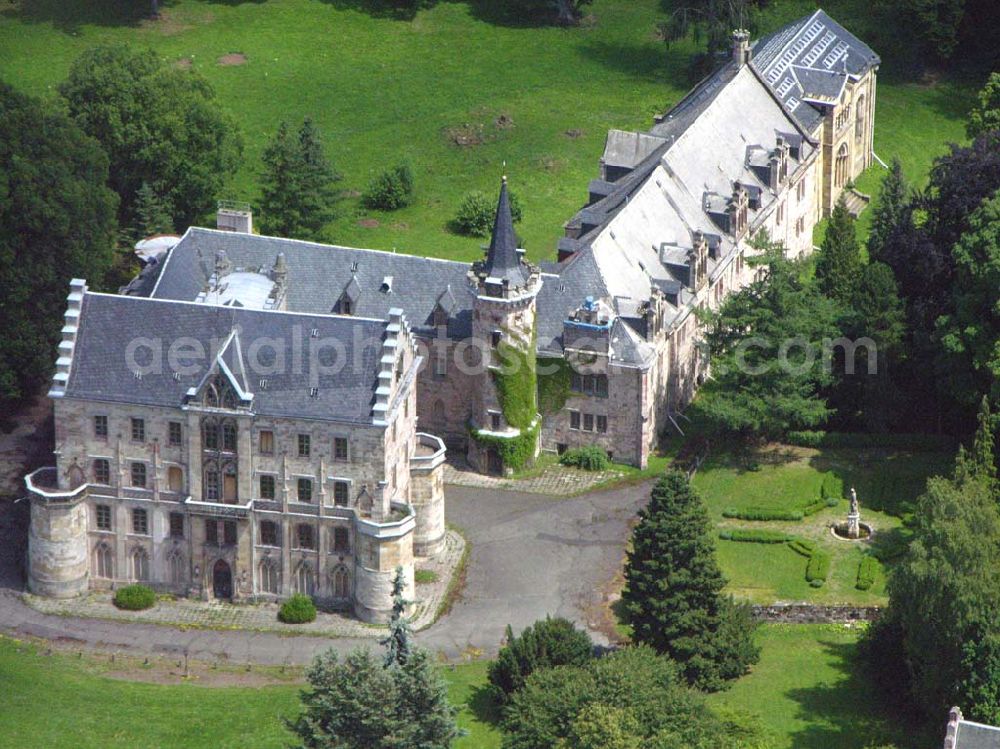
[345, 307]
[219, 393]
[387, 285]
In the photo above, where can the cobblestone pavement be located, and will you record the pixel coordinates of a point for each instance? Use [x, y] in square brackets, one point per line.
[554, 480]
[261, 617]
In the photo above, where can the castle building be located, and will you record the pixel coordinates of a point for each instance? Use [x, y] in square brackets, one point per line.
[208, 480]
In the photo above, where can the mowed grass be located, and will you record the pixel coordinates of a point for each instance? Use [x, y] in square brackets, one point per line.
[808, 689]
[384, 89]
[56, 701]
[887, 481]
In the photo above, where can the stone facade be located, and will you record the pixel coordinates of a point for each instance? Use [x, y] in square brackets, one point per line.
[213, 498]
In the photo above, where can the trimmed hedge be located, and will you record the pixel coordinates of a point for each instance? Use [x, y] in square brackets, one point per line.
[868, 570]
[820, 504]
[754, 536]
[915, 442]
[299, 609]
[135, 597]
[803, 547]
[589, 458]
[761, 513]
[830, 491]
[818, 568]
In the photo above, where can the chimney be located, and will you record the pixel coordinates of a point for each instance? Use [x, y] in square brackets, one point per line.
[741, 47]
[234, 216]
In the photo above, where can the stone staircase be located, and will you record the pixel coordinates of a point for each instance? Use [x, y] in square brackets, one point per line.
[855, 201]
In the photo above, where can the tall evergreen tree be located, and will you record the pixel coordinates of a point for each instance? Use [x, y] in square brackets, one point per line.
[888, 210]
[979, 463]
[839, 262]
[152, 213]
[985, 114]
[398, 644]
[673, 589]
[297, 184]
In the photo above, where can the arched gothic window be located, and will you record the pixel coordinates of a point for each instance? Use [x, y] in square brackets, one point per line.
[840, 168]
[176, 571]
[140, 564]
[104, 562]
[219, 393]
[341, 582]
[213, 482]
[305, 580]
[268, 576]
[210, 434]
[860, 115]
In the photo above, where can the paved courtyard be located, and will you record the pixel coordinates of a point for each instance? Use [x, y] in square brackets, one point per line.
[531, 555]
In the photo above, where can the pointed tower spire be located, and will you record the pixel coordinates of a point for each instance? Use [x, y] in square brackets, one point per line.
[503, 261]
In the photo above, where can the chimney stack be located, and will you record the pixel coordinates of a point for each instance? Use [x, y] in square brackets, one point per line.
[234, 216]
[741, 47]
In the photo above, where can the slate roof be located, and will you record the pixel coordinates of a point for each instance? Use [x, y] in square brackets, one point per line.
[503, 261]
[808, 60]
[108, 323]
[319, 274]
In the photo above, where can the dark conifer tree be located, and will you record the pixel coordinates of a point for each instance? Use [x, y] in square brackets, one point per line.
[673, 589]
[839, 262]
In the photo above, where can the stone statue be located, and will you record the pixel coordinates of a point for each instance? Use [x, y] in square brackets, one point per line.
[854, 517]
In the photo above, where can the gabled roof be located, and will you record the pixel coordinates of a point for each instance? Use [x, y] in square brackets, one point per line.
[105, 369]
[807, 60]
[503, 261]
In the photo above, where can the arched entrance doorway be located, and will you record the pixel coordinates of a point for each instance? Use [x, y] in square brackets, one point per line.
[222, 580]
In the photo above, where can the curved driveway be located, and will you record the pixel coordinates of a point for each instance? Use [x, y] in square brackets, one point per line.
[532, 555]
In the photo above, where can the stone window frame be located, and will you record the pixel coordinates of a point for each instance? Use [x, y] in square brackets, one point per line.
[274, 486]
[306, 482]
[176, 525]
[140, 521]
[175, 433]
[337, 440]
[340, 540]
[574, 418]
[273, 525]
[175, 469]
[230, 533]
[138, 475]
[595, 385]
[100, 467]
[304, 445]
[305, 537]
[139, 560]
[212, 536]
[269, 440]
[102, 512]
[175, 567]
[340, 582]
[137, 429]
[601, 423]
[104, 561]
[101, 427]
[343, 485]
[588, 422]
[269, 575]
[304, 580]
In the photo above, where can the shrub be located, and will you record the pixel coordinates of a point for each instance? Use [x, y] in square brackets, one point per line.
[761, 513]
[830, 491]
[813, 507]
[803, 547]
[391, 189]
[818, 568]
[749, 535]
[298, 609]
[589, 458]
[546, 643]
[476, 212]
[868, 570]
[134, 597]
[425, 577]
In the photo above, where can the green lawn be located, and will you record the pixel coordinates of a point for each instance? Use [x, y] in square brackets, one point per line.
[383, 89]
[887, 482]
[56, 701]
[808, 691]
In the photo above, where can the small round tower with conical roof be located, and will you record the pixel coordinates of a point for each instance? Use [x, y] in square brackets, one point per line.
[504, 420]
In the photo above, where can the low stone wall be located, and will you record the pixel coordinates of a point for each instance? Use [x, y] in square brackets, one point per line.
[804, 613]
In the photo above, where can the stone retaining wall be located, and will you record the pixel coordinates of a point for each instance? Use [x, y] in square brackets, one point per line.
[804, 613]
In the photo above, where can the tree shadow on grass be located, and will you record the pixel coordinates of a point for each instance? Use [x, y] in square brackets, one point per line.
[70, 15]
[849, 712]
[644, 60]
[484, 706]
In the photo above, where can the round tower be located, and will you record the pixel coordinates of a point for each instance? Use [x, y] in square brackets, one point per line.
[504, 415]
[57, 540]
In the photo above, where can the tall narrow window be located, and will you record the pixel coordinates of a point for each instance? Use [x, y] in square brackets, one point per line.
[229, 532]
[211, 531]
[175, 479]
[102, 471]
[304, 580]
[341, 540]
[267, 487]
[210, 434]
[177, 525]
[104, 562]
[305, 490]
[229, 436]
[176, 569]
[266, 442]
[269, 533]
[304, 537]
[102, 517]
[304, 446]
[140, 565]
[174, 433]
[139, 475]
[340, 448]
[269, 577]
[212, 482]
[140, 522]
[341, 583]
[138, 430]
[574, 419]
[340, 493]
[101, 427]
